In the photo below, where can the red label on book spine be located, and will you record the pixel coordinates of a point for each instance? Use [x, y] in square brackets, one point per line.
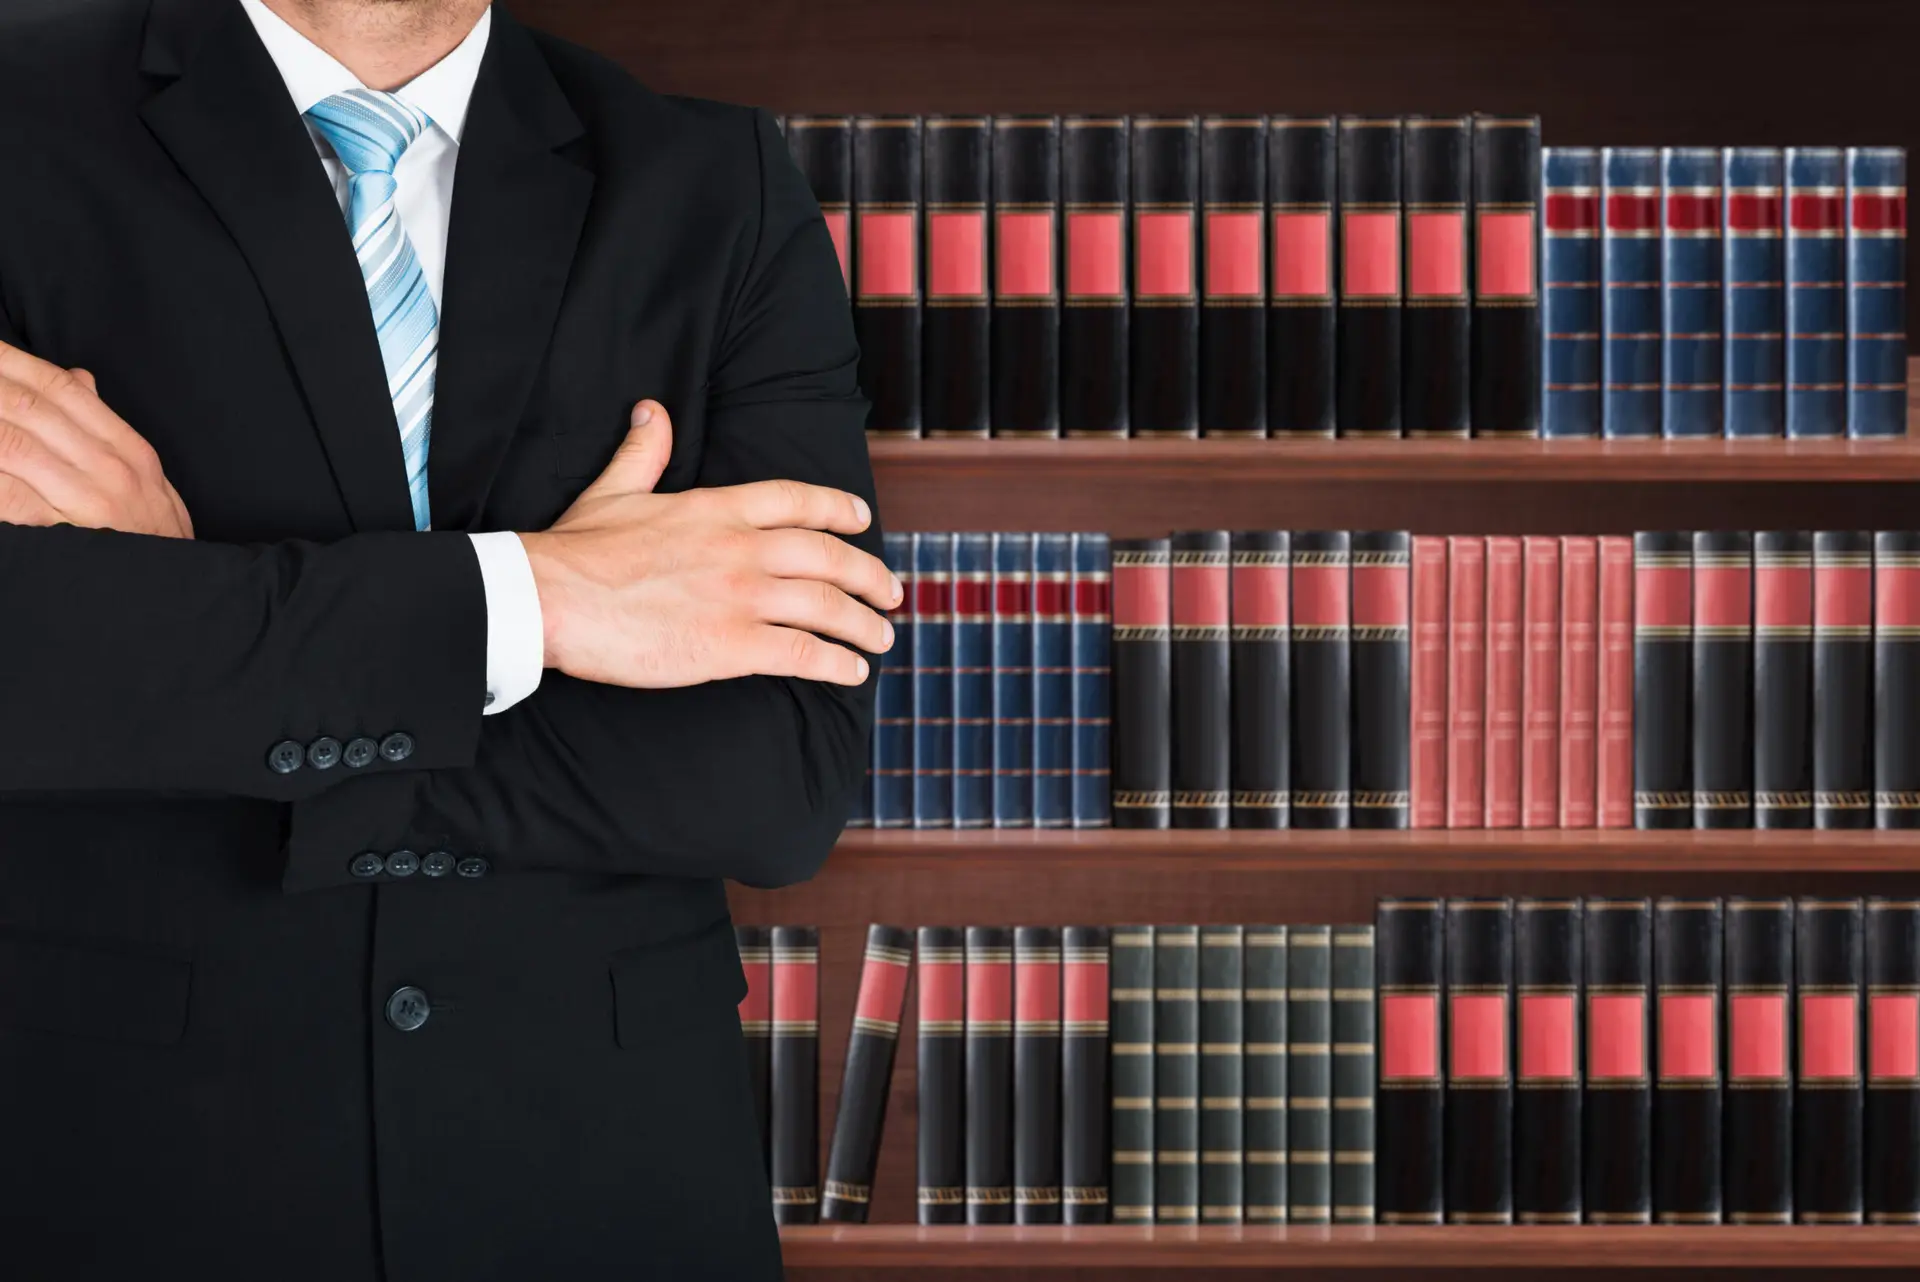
[1053, 594]
[1370, 252]
[1466, 682]
[1504, 594]
[1036, 992]
[757, 1006]
[932, 598]
[1012, 598]
[1234, 247]
[1693, 212]
[1879, 211]
[1896, 595]
[1549, 1038]
[1200, 596]
[1409, 1037]
[1163, 248]
[1090, 599]
[1723, 598]
[1427, 741]
[1663, 597]
[1259, 596]
[1613, 753]
[1320, 596]
[1382, 596]
[1616, 1037]
[1829, 1031]
[1842, 596]
[1893, 1021]
[888, 254]
[796, 992]
[1477, 1031]
[1752, 213]
[1085, 992]
[1688, 1022]
[1302, 255]
[1142, 596]
[883, 991]
[1506, 255]
[1437, 255]
[838, 228]
[1540, 687]
[989, 992]
[1757, 1037]
[973, 597]
[1096, 267]
[1023, 254]
[943, 986]
[957, 254]
[1816, 213]
[1579, 679]
[1783, 599]
[1572, 213]
[1629, 212]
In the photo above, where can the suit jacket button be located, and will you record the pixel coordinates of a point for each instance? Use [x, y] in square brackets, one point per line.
[397, 746]
[437, 864]
[323, 753]
[286, 757]
[472, 866]
[402, 863]
[361, 752]
[408, 1008]
[367, 864]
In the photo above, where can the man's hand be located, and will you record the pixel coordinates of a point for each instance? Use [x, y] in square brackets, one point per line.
[65, 458]
[654, 590]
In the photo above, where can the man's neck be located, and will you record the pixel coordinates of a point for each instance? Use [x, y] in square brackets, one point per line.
[386, 43]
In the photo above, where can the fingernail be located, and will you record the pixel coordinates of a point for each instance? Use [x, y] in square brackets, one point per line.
[862, 511]
[862, 668]
[889, 636]
[898, 591]
[643, 415]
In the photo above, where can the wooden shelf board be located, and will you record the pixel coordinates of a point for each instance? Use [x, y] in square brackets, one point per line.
[1451, 850]
[903, 1246]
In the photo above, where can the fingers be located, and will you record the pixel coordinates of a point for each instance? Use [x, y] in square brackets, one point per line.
[86, 380]
[771, 505]
[21, 504]
[636, 466]
[823, 608]
[58, 475]
[787, 652]
[809, 554]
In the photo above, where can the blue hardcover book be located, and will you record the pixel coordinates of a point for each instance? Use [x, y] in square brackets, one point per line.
[933, 681]
[1691, 315]
[1630, 293]
[1092, 671]
[1013, 680]
[1570, 272]
[893, 699]
[972, 680]
[1816, 292]
[1052, 680]
[1876, 291]
[1755, 275]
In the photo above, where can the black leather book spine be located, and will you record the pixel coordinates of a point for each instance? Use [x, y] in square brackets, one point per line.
[1142, 683]
[1662, 680]
[1176, 1074]
[1264, 1067]
[1026, 276]
[1548, 947]
[1686, 1101]
[1165, 379]
[1893, 1061]
[887, 269]
[862, 1112]
[1896, 679]
[1301, 189]
[955, 344]
[1782, 679]
[1202, 729]
[1036, 1075]
[989, 1105]
[1617, 1144]
[796, 1074]
[1723, 687]
[939, 1124]
[1437, 175]
[756, 1028]
[1084, 1067]
[1410, 942]
[1367, 347]
[1506, 272]
[1221, 1074]
[1843, 644]
[1321, 707]
[1257, 671]
[1310, 1075]
[1130, 1177]
[1479, 1107]
[1757, 1113]
[822, 150]
[1096, 185]
[1382, 724]
[1233, 311]
[1827, 1105]
[1354, 1136]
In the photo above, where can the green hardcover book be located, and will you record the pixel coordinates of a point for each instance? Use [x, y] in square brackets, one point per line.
[1221, 1072]
[1264, 1070]
[1309, 1075]
[1353, 1043]
[1130, 1011]
[1176, 1074]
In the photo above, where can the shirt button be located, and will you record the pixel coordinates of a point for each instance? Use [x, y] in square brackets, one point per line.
[472, 866]
[397, 746]
[286, 757]
[367, 864]
[360, 752]
[437, 864]
[402, 863]
[408, 1008]
[323, 753]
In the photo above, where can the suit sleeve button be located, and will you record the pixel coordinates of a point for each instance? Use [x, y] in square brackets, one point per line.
[408, 1008]
[438, 863]
[286, 757]
[473, 866]
[323, 753]
[397, 746]
[367, 864]
[360, 752]
[402, 863]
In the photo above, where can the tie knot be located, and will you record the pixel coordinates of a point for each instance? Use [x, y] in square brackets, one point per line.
[368, 130]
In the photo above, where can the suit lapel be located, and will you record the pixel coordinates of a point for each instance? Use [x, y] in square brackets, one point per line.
[518, 208]
[228, 123]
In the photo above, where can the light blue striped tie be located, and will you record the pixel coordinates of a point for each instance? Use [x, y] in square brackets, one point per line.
[369, 132]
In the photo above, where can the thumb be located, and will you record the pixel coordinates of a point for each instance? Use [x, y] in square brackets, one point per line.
[86, 380]
[642, 457]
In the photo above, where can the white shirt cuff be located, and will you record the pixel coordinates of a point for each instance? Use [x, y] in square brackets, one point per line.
[516, 640]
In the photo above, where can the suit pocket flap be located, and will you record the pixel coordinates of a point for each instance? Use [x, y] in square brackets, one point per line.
[92, 990]
[663, 987]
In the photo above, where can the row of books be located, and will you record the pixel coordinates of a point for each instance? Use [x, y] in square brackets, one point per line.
[1551, 1060]
[1738, 291]
[1369, 276]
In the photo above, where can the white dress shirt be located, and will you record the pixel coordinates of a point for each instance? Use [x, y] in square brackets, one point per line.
[516, 648]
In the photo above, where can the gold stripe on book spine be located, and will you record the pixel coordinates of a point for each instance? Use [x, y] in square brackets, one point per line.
[848, 1192]
[942, 1196]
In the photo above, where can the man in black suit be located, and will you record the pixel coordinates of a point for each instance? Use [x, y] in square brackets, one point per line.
[359, 361]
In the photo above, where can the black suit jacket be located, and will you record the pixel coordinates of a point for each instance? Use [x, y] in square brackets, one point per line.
[196, 1066]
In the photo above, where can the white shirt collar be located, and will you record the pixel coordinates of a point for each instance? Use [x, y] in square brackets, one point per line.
[443, 91]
